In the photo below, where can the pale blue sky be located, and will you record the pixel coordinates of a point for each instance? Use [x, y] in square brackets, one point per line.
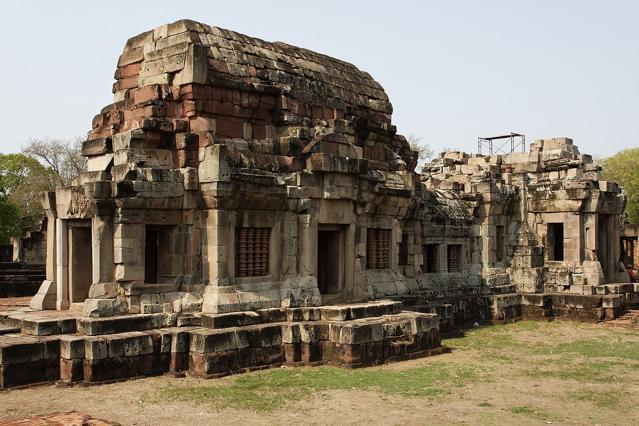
[454, 70]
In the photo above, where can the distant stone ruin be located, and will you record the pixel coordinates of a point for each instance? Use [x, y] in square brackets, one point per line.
[249, 203]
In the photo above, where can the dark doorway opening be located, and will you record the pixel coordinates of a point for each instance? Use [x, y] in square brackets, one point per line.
[80, 261]
[403, 251]
[151, 254]
[329, 260]
[628, 249]
[555, 238]
[500, 241]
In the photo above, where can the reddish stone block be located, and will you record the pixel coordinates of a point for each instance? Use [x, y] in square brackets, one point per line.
[188, 108]
[71, 370]
[197, 363]
[350, 353]
[311, 352]
[259, 130]
[146, 94]
[187, 158]
[125, 83]
[130, 70]
[218, 66]
[292, 352]
[179, 362]
[230, 128]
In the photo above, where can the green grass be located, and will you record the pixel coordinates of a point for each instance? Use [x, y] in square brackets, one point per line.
[528, 411]
[267, 390]
[529, 351]
[605, 399]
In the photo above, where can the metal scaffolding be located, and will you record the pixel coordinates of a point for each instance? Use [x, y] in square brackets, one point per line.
[502, 144]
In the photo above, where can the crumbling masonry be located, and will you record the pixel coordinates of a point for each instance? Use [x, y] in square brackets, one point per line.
[249, 203]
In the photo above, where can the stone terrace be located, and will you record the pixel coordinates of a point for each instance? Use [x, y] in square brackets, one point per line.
[37, 347]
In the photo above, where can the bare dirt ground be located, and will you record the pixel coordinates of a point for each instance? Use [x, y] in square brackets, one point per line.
[520, 374]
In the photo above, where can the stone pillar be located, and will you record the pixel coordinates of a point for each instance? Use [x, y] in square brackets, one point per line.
[393, 250]
[306, 242]
[51, 243]
[62, 268]
[442, 258]
[128, 252]
[349, 260]
[217, 247]
[102, 249]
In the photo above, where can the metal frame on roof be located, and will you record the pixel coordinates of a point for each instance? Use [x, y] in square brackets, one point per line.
[501, 144]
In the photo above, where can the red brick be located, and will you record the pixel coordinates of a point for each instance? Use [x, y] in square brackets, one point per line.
[131, 70]
[230, 128]
[146, 94]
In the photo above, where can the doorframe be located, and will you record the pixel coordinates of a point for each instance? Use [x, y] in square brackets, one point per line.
[341, 275]
[347, 257]
[72, 225]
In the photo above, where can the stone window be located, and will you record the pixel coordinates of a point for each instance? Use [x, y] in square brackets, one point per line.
[555, 238]
[377, 248]
[403, 250]
[429, 252]
[252, 252]
[454, 257]
[500, 242]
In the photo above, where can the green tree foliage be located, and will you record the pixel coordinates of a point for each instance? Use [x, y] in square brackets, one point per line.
[22, 181]
[10, 220]
[623, 168]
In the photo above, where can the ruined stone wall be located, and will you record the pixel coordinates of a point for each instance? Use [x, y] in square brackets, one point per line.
[552, 189]
[31, 247]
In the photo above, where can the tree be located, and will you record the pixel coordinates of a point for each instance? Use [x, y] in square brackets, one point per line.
[64, 157]
[623, 168]
[424, 151]
[22, 180]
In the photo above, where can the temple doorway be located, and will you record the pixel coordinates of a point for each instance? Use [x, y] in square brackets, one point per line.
[80, 260]
[330, 259]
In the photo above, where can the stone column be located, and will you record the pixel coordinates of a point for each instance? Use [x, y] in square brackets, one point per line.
[62, 268]
[349, 260]
[102, 249]
[442, 258]
[51, 243]
[217, 247]
[306, 242]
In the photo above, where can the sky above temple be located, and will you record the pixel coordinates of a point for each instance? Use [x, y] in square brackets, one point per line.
[454, 70]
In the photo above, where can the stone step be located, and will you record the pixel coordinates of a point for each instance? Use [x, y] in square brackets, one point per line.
[19, 288]
[125, 323]
[21, 273]
[232, 319]
[27, 360]
[8, 330]
[443, 310]
[21, 278]
[359, 310]
[107, 349]
[48, 326]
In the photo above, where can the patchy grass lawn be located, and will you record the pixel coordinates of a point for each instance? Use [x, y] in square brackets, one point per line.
[523, 373]
[270, 389]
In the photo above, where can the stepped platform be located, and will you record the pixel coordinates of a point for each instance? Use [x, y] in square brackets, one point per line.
[49, 346]
[19, 279]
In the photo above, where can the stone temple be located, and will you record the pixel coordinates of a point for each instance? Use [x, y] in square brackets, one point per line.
[250, 203]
